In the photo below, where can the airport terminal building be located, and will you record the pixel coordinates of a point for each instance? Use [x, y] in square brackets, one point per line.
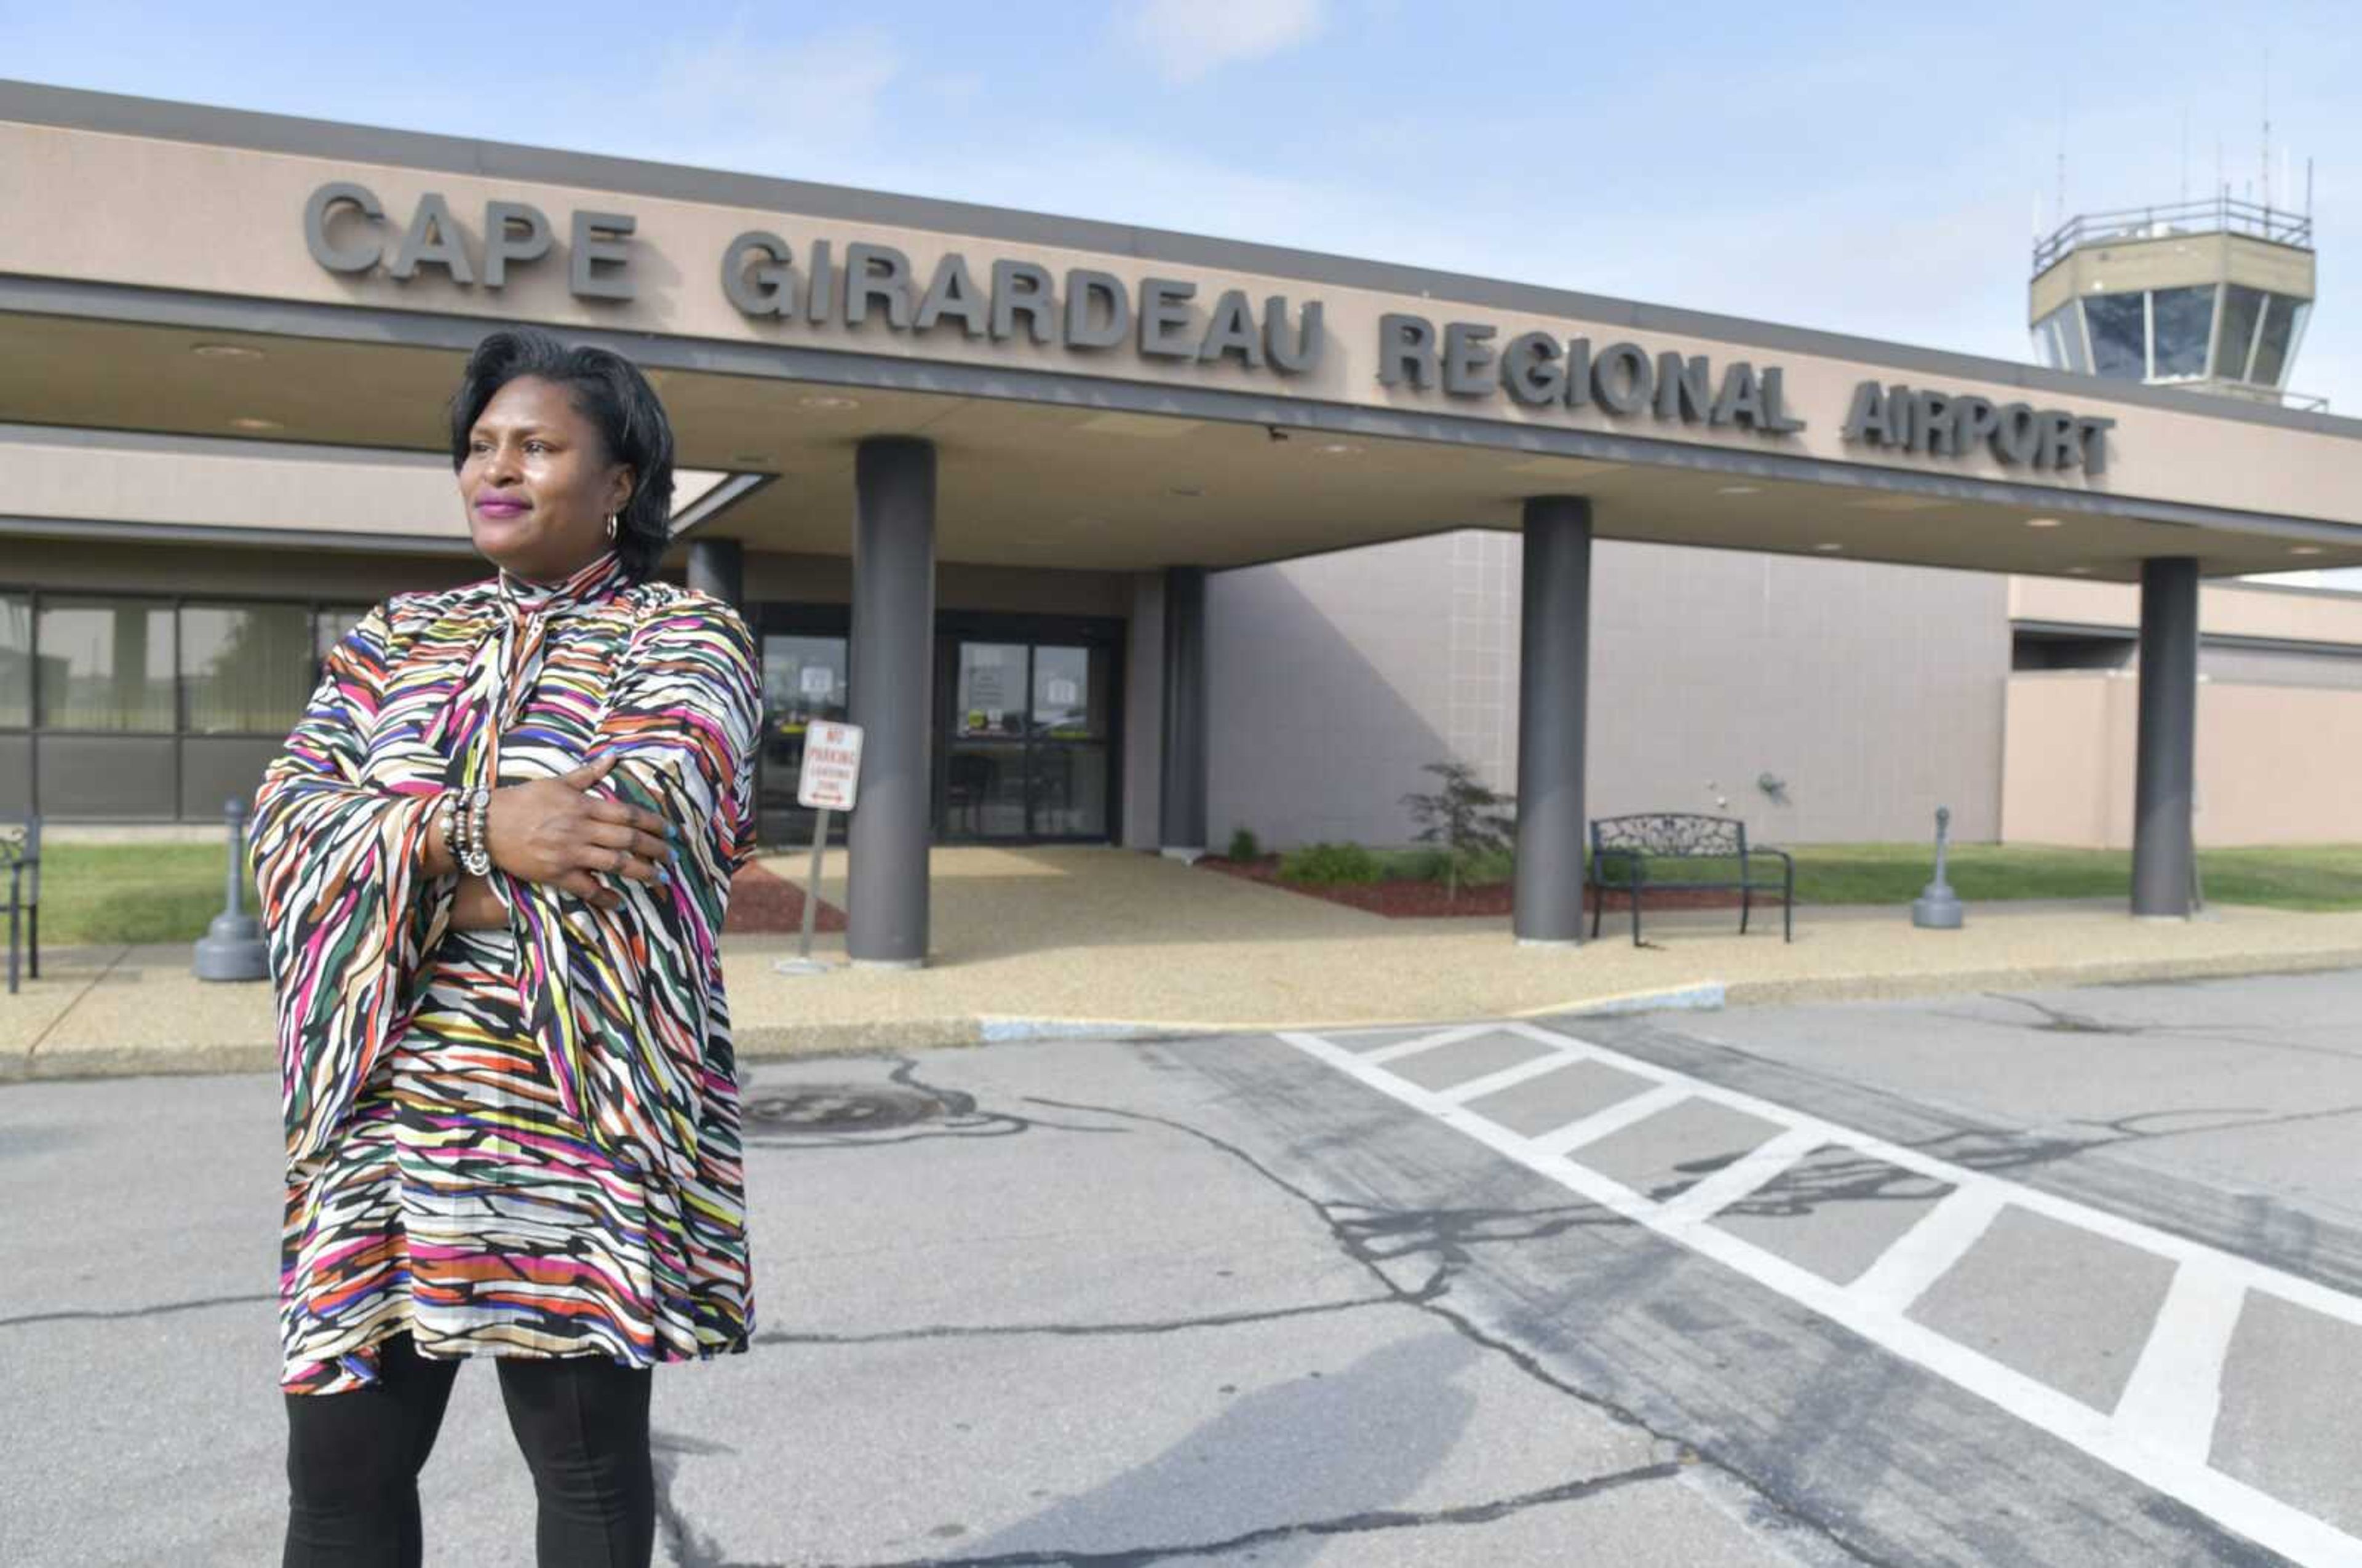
[1111, 535]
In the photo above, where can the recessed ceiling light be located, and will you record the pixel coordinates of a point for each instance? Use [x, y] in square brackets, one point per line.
[1336, 448]
[248, 422]
[2078, 571]
[826, 400]
[2042, 523]
[225, 351]
[1737, 490]
[1829, 549]
[2305, 549]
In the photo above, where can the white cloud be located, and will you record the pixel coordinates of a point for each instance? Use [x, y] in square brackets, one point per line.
[1186, 38]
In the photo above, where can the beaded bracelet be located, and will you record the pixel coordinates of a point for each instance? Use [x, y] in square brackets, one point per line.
[479, 859]
[446, 821]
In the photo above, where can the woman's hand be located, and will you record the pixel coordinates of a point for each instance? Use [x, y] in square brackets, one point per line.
[555, 832]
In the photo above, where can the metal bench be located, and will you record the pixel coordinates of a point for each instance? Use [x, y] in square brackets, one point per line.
[20, 856]
[1622, 847]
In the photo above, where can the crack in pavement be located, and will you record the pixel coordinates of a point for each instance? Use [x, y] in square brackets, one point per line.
[99, 1314]
[2060, 1021]
[1346, 1524]
[1079, 1331]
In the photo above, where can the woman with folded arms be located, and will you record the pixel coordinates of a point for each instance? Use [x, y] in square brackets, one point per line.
[494, 860]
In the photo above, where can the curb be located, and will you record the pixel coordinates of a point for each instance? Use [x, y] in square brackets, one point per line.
[773, 1043]
[1706, 996]
[2048, 976]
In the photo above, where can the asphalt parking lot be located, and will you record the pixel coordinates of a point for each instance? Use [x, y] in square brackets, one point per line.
[2066, 1279]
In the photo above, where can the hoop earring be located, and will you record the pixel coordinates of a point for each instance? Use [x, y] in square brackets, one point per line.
[610, 526]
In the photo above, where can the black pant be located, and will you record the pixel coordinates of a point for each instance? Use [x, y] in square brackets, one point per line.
[353, 1461]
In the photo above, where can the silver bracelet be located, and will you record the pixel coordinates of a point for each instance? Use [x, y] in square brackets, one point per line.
[479, 859]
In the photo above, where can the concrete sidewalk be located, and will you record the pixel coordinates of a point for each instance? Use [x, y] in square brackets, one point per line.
[1044, 942]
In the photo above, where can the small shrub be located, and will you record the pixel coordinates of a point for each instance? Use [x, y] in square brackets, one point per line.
[1421, 865]
[1245, 847]
[1330, 865]
[1470, 822]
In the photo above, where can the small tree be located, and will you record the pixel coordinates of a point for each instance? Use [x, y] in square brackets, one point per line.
[1464, 818]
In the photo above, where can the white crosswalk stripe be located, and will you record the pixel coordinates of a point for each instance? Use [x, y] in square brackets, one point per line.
[2160, 1429]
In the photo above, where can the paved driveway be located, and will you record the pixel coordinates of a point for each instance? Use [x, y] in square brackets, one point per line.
[1796, 1286]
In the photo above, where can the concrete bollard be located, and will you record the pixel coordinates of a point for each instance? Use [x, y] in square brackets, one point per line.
[1937, 908]
[231, 948]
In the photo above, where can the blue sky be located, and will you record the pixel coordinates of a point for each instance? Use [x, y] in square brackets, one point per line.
[1865, 168]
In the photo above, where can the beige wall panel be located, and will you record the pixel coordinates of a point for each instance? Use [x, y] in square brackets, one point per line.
[2052, 289]
[1328, 686]
[1873, 693]
[2224, 609]
[2062, 781]
[2276, 764]
[2279, 268]
[2150, 264]
[247, 206]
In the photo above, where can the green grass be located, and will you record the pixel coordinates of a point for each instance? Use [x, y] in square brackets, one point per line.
[2290, 877]
[131, 892]
[166, 892]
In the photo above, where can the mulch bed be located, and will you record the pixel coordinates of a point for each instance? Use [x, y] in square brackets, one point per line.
[1401, 898]
[761, 902]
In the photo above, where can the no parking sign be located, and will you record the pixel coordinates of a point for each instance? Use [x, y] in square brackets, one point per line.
[832, 771]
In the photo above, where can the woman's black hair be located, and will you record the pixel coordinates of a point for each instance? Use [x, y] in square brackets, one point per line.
[613, 396]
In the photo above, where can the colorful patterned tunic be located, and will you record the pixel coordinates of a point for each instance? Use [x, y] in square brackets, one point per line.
[520, 1141]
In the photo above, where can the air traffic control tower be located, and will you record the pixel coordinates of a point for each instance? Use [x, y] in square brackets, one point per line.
[2211, 295]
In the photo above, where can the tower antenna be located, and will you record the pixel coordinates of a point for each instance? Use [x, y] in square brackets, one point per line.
[2267, 130]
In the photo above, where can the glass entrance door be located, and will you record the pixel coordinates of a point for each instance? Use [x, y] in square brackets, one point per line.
[803, 683]
[1028, 753]
[984, 767]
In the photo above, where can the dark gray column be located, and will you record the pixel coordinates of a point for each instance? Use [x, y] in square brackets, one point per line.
[1181, 796]
[893, 655]
[2166, 770]
[1554, 690]
[717, 566]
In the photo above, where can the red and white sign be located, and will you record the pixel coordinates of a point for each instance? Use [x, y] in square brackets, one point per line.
[832, 768]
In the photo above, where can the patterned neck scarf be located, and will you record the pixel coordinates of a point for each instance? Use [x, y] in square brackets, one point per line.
[502, 673]
[588, 585]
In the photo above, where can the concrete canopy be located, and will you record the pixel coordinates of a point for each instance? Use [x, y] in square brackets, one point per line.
[1049, 455]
